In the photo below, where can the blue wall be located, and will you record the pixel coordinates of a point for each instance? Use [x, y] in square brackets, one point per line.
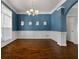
[58, 18]
[56, 21]
[41, 18]
[68, 5]
[14, 21]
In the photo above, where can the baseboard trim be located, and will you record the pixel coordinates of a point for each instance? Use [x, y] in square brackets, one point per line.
[60, 44]
[72, 42]
[4, 43]
[33, 38]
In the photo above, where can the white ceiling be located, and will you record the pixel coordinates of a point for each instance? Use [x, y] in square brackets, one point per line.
[20, 6]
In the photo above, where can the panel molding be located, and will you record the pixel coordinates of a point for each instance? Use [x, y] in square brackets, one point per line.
[4, 43]
[59, 37]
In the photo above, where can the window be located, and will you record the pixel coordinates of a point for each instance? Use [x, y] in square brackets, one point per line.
[6, 23]
[6, 17]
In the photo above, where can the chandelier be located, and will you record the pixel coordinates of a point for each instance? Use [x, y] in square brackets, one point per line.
[32, 11]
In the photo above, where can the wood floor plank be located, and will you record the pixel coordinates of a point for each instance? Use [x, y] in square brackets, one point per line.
[38, 49]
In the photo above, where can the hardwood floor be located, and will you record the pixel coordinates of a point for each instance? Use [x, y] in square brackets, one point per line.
[38, 49]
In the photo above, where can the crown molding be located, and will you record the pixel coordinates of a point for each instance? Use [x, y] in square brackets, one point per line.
[58, 6]
[39, 13]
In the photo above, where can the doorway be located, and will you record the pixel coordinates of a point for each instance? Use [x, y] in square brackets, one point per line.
[72, 22]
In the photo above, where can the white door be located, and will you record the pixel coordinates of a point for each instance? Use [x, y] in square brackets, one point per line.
[72, 29]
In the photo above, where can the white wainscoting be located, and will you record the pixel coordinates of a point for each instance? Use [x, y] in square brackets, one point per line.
[59, 37]
[62, 41]
[8, 41]
[6, 34]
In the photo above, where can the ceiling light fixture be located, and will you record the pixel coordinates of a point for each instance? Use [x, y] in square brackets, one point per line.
[32, 11]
